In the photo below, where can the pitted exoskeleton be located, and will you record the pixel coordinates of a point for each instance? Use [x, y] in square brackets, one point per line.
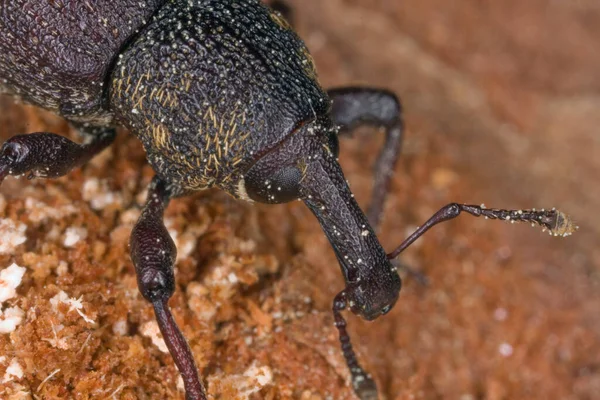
[221, 93]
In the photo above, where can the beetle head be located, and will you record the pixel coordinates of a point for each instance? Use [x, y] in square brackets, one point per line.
[305, 167]
[373, 296]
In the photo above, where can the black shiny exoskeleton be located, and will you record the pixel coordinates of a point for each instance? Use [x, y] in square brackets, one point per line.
[221, 93]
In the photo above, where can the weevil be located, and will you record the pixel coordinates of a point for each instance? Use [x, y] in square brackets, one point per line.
[222, 93]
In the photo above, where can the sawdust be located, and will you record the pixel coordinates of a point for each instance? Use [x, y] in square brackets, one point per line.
[506, 314]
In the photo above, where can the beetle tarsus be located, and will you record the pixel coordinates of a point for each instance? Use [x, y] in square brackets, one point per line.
[154, 253]
[364, 386]
[355, 106]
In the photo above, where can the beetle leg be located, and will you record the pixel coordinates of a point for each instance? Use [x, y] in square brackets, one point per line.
[153, 253]
[353, 107]
[363, 384]
[555, 222]
[47, 155]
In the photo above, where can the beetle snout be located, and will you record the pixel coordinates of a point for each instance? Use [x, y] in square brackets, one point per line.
[371, 300]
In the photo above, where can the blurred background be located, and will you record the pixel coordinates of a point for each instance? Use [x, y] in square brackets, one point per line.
[502, 107]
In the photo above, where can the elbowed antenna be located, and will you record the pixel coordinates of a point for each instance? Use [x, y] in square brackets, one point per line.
[556, 222]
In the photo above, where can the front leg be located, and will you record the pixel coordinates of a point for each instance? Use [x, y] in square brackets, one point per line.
[153, 253]
[47, 155]
[353, 107]
[364, 386]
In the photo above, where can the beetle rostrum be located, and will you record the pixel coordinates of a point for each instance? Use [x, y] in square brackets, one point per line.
[222, 93]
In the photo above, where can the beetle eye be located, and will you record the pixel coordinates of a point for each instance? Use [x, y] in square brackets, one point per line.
[333, 143]
[280, 187]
